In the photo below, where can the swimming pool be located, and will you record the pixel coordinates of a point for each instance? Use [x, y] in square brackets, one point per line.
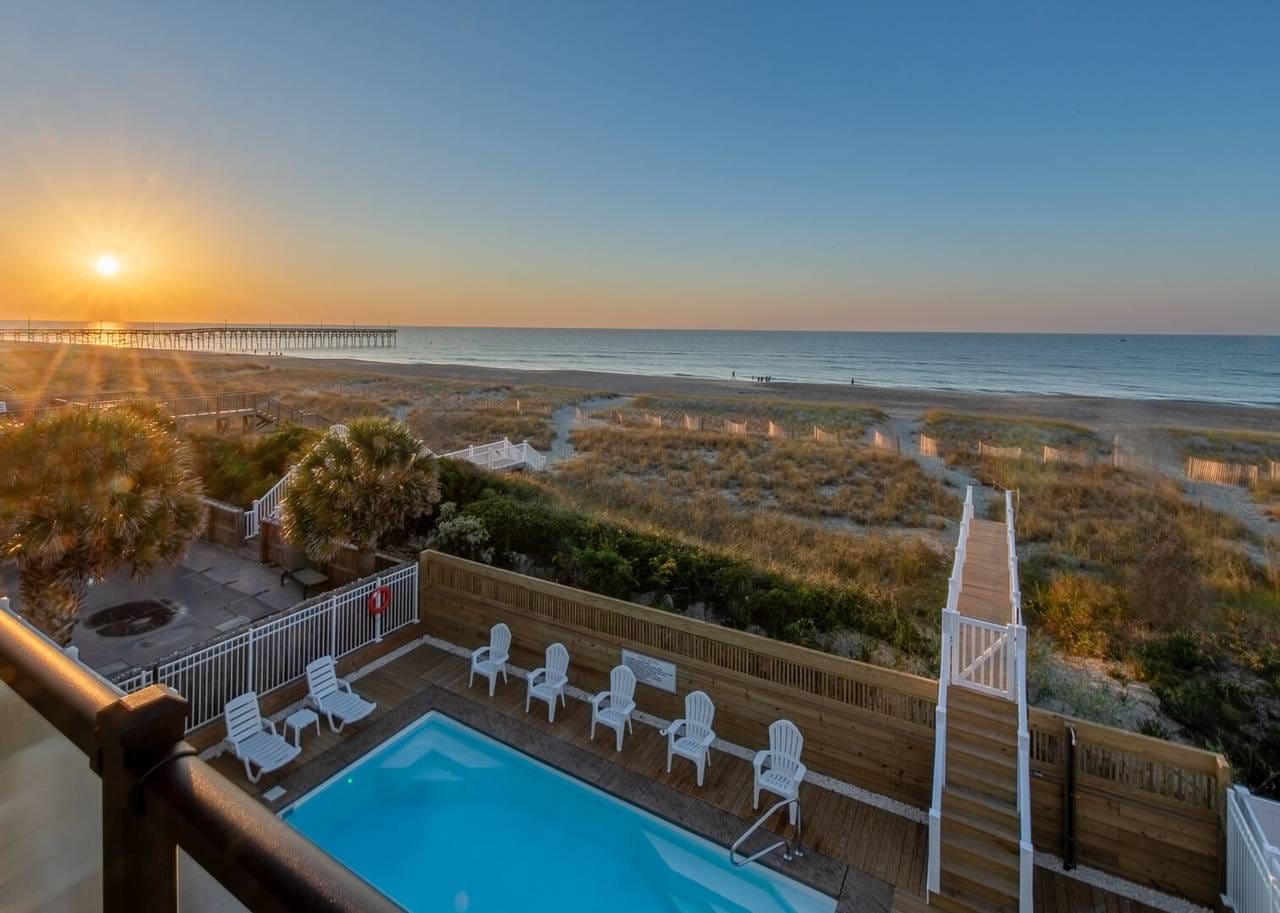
[444, 818]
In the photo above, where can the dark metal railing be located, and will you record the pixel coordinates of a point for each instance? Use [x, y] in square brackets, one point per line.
[158, 796]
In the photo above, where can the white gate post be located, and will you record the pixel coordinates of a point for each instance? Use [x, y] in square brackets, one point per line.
[333, 627]
[377, 619]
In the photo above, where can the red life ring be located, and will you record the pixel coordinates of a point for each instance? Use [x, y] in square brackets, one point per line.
[379, 599]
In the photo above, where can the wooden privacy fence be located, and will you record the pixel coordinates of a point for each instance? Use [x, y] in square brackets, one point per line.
[999, 453]
[1222, 473]
[928, 446]
[869, 726]
[224, 524]
[1147, 810]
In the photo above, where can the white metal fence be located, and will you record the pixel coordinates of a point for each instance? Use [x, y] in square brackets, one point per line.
[1253, 865]
[271, 654]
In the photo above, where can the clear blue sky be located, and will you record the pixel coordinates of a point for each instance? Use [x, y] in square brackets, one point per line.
[1022, 166]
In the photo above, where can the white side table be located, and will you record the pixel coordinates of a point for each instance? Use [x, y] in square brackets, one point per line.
[298, 721]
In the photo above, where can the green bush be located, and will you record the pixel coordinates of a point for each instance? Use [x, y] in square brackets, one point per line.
[239, 468]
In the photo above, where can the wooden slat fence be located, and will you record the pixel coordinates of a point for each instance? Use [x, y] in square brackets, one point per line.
[1147, 810]
[882, 441]
[1221, 473]
[691, 422]
[928, 446]
[735, 427]
[1066, 455]
[826, 436]
[652, 420]
[999, 453]
[863, 724]
[775, 430]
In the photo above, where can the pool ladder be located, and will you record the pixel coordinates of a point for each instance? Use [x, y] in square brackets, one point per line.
[791, 848]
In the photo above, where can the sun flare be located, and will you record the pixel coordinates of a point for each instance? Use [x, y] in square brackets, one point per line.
[107, 265]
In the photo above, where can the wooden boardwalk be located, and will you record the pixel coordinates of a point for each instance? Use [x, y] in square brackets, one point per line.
[887, 847]
[984, 594]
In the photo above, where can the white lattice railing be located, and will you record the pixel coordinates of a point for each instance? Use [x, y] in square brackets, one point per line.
[271, 654]
[1253, 860]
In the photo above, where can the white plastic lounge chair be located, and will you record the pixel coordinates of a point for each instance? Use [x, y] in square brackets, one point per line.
[491, 660]
[332, 696]
[254, 740]
[778, 768]
[692, 736]
[547, 683]
[613, 708]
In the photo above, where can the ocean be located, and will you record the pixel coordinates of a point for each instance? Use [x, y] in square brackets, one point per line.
[1242, 370]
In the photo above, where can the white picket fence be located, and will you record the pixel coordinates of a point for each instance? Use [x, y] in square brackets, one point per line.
[1253, 861]
[271, 654]
[1221, 473]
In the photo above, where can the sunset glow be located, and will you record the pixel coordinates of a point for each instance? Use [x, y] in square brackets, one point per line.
[107, 265]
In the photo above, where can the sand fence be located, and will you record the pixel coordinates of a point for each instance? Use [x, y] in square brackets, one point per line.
[1219, 473]
[999, 453]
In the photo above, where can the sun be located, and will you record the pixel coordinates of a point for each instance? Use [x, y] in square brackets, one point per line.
[107, 265]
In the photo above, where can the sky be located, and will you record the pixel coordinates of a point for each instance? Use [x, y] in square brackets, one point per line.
[1025, 166]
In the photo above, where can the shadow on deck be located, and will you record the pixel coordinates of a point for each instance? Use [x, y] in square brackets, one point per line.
[870, 858]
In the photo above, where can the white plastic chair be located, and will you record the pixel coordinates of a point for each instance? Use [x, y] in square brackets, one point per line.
[547, 683]
[613, 708]
[778, 768]
[332, 697]
[695, 742]
[495, 657]
[254, 740]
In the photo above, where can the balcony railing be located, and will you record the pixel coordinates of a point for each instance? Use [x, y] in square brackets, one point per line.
[111, 838]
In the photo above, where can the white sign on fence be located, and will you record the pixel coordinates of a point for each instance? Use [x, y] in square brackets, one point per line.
[656, 673]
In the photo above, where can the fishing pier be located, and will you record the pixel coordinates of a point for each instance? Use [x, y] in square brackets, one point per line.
[226, 338]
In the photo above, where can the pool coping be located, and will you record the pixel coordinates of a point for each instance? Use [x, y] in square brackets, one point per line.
[854, 891]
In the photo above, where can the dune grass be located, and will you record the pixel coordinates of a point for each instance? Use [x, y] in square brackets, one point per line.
[796, 416]
[804, 478]
[958, 433]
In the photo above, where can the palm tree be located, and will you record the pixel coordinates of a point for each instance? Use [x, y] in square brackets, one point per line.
[84, 492]
[364, 487]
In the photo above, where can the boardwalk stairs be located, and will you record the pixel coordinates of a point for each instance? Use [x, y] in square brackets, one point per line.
[980, 852]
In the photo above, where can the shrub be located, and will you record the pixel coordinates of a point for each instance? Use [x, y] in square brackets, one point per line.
[1078, 611]
[461, 535]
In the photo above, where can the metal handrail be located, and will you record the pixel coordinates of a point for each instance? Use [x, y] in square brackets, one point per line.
[792, 848]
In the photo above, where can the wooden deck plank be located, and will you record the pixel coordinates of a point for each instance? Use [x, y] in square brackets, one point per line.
[868, 839]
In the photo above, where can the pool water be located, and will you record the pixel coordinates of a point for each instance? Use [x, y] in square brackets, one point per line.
[443, 818]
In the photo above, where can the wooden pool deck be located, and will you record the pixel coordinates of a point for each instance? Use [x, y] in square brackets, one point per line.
[870, 858]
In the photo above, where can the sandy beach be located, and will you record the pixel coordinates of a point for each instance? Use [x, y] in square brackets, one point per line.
[1102, 414]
